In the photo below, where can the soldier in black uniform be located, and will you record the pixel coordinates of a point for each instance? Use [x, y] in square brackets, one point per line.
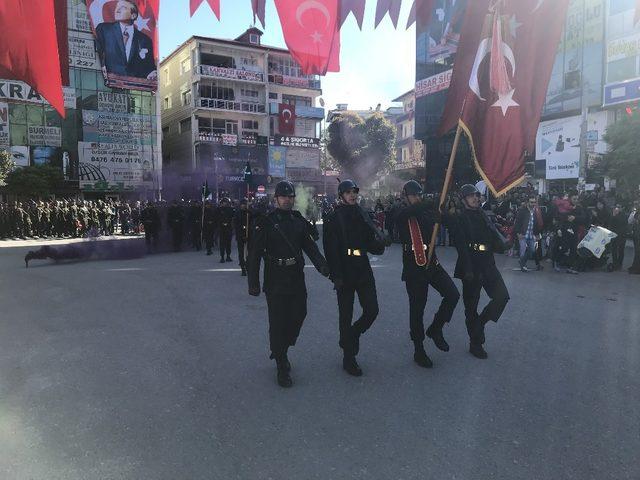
[195, 224]
[417, 277]
[224, 215]
[241, 222]
[280, 237]
[476, 238]
[349, 233]
[175, 219]
[151, 221]
[209, 226]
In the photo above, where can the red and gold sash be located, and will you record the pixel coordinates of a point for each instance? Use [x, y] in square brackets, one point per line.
[417, 242]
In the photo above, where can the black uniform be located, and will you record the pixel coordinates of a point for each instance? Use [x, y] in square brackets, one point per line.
[242, 221]
[195, 225]
[347, 239]
[175, 219]
[418, 278]
[476, 239]
[209, 227]
[280, 238]
[151, 221]
[224, 216]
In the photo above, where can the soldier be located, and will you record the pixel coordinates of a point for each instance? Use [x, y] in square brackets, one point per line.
[224, 216]
[280, 238]
[241, 222]
[414, 224]
[209, 226]
[175, 220]
[476, 239]
[195, 225]
[151, 221]
[349, 233]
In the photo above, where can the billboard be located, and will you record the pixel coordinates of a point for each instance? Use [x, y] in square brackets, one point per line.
[111, 166]
[277, 156]
[44, 136]
[125, 43]
[558, 143]
[444, 29]
[60, 158]
[110, 127]
[20, 155]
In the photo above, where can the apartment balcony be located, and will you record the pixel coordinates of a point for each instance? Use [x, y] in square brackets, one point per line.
[295, 82]
[230, 139]
[231, 74]
[231, 105]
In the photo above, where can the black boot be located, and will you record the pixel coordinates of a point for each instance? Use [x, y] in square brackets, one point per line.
[221, 259]
[478, 351]
[284, 370]
[351, 366]
[228, 258]
[244, 272]
[435, 333]
[28, 257]
[421, 357]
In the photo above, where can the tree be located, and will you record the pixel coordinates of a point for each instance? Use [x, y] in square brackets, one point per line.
[622, 162]
[362, 148]
[34, 181]
[6, 165]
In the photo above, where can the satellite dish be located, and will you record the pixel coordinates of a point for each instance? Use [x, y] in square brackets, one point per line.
[322, 102]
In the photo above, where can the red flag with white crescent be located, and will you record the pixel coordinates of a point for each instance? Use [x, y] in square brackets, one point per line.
[499, 83]
[29, 48]
[311, 31]
[287, 119]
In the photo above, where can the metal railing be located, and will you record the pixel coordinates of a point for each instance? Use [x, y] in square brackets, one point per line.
[247, 107]
[231, 73]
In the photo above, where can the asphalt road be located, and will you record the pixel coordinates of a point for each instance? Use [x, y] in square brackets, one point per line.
[157, 368]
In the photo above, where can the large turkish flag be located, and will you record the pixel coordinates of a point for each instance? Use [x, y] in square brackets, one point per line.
[287, 119]
[312, 33]
[495, 98]
[29, 48]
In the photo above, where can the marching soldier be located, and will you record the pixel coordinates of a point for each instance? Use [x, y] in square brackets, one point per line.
[349, 233]
[195, 225]
[241, 221]
[476, 239]
[414, 224]
[280, 237]
[225, 228]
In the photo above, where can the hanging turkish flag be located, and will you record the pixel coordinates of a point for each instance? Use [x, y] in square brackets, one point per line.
[63, 38]
[258, 7]
[29, 48]
[311, 32]
[499, 83]
[391, 6]
[214, 4]
[287, 119]
[349, 6]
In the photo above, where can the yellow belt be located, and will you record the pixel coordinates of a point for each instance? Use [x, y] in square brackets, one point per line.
[354, 252]
[479, 247]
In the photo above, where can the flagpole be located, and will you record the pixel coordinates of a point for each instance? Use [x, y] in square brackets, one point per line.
[445, 190]
[204, 191]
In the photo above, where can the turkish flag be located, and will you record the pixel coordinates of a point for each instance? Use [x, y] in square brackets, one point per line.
[214, 4]
[29, 48]
[499, 82]
[63, 38]
[287, 119]
[311, 31]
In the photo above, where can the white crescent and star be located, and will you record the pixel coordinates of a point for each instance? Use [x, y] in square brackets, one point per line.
[284, 112]
[505, 101]
[313, 5]
[483, 50]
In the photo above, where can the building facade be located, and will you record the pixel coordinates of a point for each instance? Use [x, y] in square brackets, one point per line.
[226, 103]
[594, 83]
[109, 143]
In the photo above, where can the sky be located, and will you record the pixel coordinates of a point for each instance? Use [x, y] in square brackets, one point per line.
[376, 66]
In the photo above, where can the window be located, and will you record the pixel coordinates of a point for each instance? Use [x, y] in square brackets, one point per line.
[167, 103]
[167, 79]
[251, 94]
[185, 65]
[248, 62]
[273, 96]
[253, 38]
[186, 98]
[231, 127]
[185, 125]
[249, 125]
[215, 91]
[295, 100]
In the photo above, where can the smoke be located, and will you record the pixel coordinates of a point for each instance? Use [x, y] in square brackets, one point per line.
[303, 199]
